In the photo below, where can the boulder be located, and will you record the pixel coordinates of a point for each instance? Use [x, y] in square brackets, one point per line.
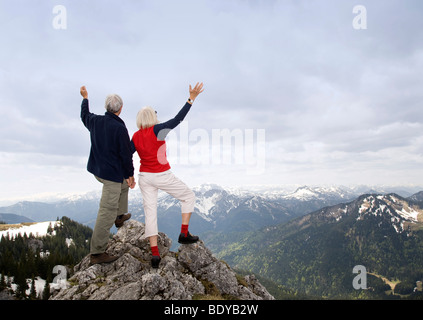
[192, 272]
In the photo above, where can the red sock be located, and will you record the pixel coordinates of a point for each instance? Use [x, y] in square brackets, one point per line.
[155, 251]
[184, 229]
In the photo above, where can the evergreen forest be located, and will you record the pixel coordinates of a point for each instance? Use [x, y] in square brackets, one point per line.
[27, 257]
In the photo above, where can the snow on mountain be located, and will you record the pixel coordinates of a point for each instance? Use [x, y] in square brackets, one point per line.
[74, 197]
[38, 229]
[205, 205]
[302, 193]
[268, 192]
[400, 212]
[203, 188]
[53, 197]
[306, 193]
[216, 206]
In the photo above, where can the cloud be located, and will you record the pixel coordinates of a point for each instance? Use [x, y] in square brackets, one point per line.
[333, 101]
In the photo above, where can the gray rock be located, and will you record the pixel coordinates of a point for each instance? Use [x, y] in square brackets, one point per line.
[192, 271]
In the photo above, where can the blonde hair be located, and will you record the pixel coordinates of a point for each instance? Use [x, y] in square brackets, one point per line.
[146, 118]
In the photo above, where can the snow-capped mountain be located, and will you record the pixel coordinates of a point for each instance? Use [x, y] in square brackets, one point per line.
[217, 208]
[306, 193]
[239, 209]
[390, 210]
[394, 209]
[417, 197]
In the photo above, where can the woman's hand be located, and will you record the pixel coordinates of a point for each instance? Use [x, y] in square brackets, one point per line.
[193, 93]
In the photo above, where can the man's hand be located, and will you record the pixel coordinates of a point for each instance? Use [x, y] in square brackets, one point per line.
[131, 182]
[193, 93]
[84, 92]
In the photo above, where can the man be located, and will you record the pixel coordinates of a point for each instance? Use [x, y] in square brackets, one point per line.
[110, 161]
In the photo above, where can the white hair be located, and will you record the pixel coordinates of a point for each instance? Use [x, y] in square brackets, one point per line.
[113, 103]
[146, 118]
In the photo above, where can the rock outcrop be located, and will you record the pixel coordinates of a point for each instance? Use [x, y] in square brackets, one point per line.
[192, 272]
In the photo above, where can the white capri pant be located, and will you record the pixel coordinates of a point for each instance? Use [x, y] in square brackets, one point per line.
[150, 183]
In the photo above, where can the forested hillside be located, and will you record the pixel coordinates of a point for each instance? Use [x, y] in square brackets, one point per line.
[27, 256]
[316, 254]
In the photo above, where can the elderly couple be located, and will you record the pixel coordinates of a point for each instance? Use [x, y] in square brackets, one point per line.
[110, 161]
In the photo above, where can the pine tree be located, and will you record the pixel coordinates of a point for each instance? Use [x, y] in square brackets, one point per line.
[3, 284]
[21, 286]
[46, 291]
[49, 229]
[9, 280]
[33, 291]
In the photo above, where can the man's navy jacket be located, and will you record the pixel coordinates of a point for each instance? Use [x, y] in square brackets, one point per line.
[111, 152]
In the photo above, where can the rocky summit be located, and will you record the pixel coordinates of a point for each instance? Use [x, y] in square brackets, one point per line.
[192, 272]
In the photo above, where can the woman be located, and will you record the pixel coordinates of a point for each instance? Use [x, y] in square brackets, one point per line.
[155, 174]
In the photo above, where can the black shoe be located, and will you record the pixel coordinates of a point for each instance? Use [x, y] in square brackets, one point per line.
[155, 261]
[189, 238]
[121, 219]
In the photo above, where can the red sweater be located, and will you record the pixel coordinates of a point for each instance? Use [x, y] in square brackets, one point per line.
[151, 146]
[151, 151]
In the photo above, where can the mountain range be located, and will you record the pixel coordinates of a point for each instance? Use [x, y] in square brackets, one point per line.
[307, 240]
[217, 209]
[315, 254]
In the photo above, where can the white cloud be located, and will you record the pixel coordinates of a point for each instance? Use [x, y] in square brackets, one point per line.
[336, 103]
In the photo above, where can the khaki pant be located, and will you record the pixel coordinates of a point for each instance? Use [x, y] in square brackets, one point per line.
[113, 203]
[150, 183]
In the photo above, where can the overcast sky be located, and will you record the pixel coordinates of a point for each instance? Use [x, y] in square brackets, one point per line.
[307, 98]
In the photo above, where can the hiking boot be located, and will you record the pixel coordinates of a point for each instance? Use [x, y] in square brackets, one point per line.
[102, 258]
[121, 219]
[155, 261]
[189, 238]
